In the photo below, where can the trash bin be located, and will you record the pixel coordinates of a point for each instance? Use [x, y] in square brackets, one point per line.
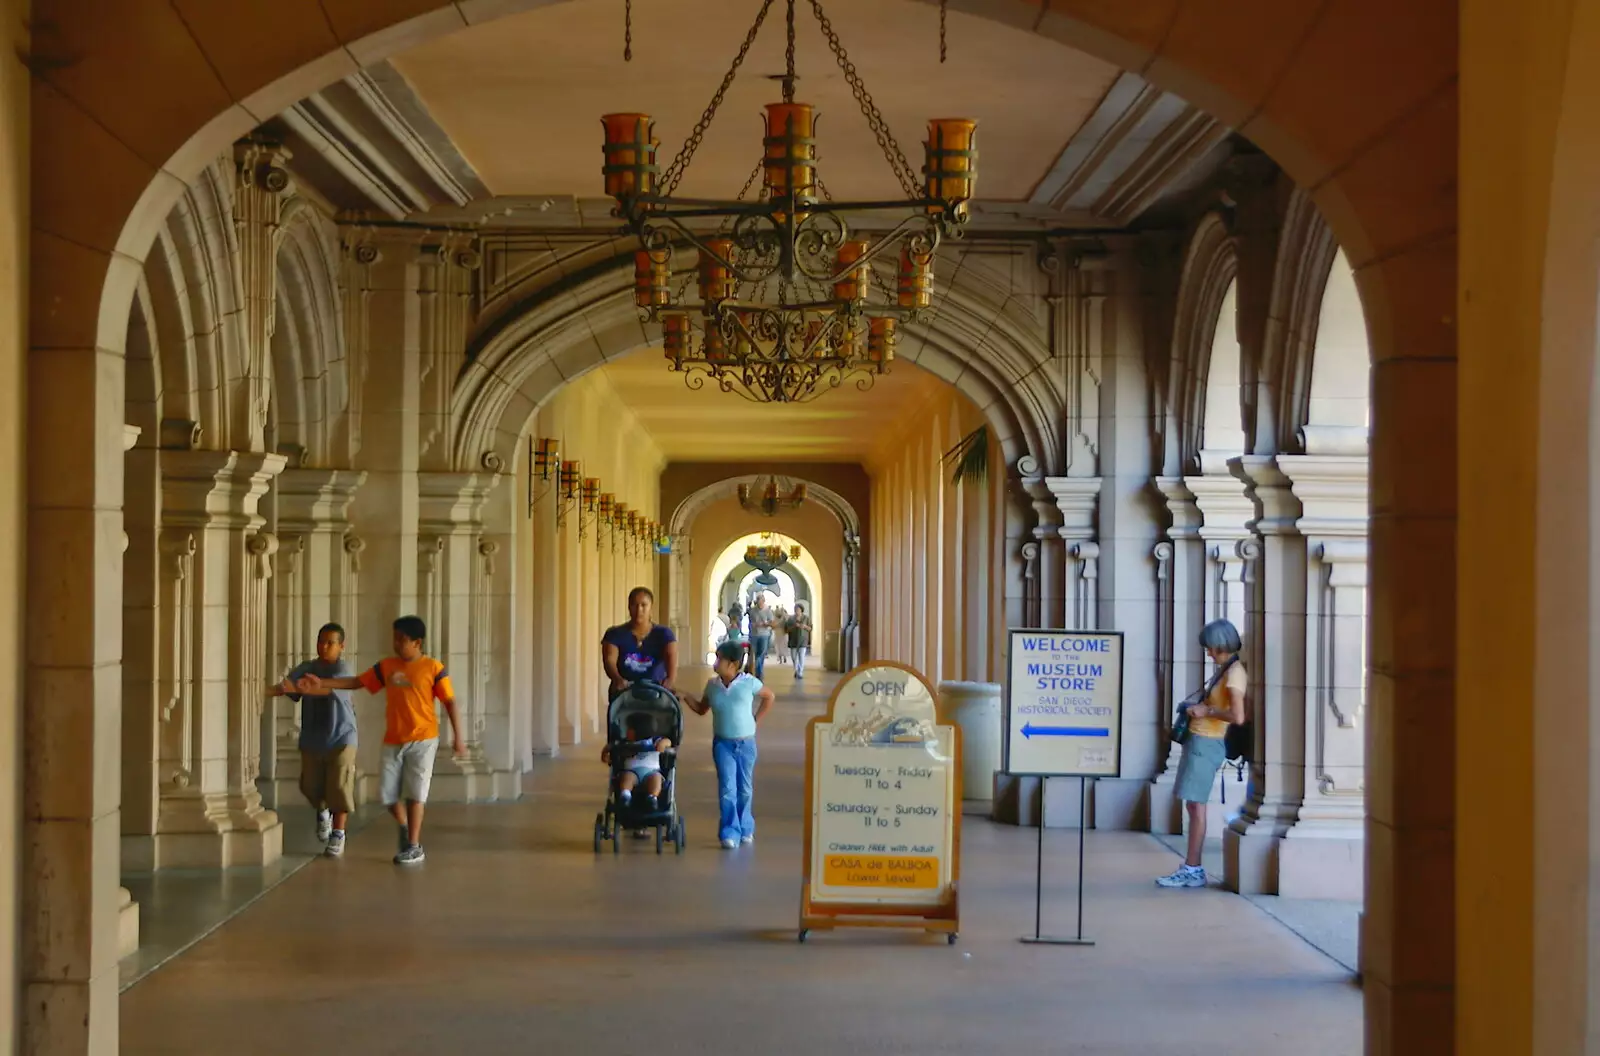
[830, 651]
[975, 707]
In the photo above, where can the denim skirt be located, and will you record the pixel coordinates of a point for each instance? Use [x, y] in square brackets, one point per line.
[1197, 770]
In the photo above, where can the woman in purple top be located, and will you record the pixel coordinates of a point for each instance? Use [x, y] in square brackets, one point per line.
[641, 649]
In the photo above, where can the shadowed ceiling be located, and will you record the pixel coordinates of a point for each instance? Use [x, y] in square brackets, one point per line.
[521, 97]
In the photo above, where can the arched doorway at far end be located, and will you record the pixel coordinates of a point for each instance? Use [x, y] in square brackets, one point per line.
[730, 557]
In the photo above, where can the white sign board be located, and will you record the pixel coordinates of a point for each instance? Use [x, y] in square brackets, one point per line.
[1064, 703]
[882, 794]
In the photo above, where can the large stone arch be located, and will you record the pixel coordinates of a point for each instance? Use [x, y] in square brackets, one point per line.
[151, 95]
[562, 330]
[849, 591]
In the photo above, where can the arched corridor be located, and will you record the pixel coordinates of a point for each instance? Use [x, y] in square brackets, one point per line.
[320, 315]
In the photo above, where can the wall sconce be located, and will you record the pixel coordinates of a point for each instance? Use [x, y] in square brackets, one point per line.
[567, 490]
[588, 499]
[619, 521]
[543, 456]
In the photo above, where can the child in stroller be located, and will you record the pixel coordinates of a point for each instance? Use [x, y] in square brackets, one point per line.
[644, 724]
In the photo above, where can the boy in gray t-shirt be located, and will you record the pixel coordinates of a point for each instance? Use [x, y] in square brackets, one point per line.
[327, 739]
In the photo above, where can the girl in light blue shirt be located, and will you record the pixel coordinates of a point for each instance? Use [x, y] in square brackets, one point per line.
[736, 702]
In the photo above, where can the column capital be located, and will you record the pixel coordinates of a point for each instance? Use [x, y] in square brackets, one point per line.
[1225, 507]
[1077, 499]
[1181, 506]
[215, 488]
[1332, 490]
[309, 499]
[448, 501]
[1277, 510]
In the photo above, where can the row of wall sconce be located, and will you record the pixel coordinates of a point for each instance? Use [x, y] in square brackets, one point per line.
[598, 512]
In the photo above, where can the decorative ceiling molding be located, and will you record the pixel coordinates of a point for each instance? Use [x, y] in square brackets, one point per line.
[1139, 146]
[367, 143]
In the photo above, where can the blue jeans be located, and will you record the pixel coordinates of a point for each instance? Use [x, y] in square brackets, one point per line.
[760, 646]
[736, 768]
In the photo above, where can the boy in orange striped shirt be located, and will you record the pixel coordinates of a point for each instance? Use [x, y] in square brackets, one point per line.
[410, 682]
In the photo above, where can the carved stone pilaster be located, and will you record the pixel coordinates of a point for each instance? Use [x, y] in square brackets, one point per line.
[257, 209]
[444, 294]
[1077, 502]
[214, 650]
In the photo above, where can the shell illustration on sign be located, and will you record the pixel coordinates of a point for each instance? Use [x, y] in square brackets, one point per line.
[884, 726]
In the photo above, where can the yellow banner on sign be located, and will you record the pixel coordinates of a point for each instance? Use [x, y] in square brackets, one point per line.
[880, 870]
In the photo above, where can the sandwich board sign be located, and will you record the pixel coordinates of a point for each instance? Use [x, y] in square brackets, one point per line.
[883, 807]
[1064, 703]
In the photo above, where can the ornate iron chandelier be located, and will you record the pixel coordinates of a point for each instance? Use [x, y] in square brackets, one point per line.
[786, 307]
[769, 556]
[773, 498]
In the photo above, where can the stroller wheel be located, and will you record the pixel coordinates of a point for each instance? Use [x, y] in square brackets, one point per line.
[678, 840]
[599, 831]
[658, 839]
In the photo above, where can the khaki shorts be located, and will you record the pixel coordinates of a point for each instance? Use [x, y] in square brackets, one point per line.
[328, 779]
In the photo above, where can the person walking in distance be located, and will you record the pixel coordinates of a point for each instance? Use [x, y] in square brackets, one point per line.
[761, 624]
[410, 682]
[327, 739]
[798, 628]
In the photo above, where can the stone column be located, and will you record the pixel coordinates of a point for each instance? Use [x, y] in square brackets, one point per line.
[453, 588]
[1323, 855]
[1278, 683]
[313, 522]
[137, 771]
[217, 566]
[1181, 564]
[849, 611]
[384, 511]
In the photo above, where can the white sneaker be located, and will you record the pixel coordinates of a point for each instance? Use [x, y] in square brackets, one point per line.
[1183, 876]
[747, 839]
[730, 844]
[335, 844]
[324, 825]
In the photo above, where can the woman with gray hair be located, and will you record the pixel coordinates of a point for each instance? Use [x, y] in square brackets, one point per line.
[1221, 703]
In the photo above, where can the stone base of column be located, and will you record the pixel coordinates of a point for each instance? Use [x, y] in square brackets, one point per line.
[191, 835]
[1166, 813]
[470, 781]
[1322, 864]
[507, 785]
[1016, 801]
[1115, 804]
[1251, 857]
[73, 1016]
[127, 924]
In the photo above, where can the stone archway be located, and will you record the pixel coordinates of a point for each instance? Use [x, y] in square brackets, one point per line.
[681, 586]
[151, 95]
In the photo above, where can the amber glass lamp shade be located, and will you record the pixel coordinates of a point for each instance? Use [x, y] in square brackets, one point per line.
[591, 493]
[880, 341]
[675, 336]
[716, 346]
[951, 170]
[545, 456]
[790, 161]
[606, 502]
[630, 155]
[916, 278]
[853, 271]
[569, 479]
[619, 514]
[716, 277]
[651, 273]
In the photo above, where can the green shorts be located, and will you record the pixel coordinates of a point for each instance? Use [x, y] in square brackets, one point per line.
[1197, 771]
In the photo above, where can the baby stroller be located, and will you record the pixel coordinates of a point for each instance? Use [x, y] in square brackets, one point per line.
[664, 716]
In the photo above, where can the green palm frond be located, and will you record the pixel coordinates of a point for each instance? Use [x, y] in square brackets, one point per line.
[970, 457]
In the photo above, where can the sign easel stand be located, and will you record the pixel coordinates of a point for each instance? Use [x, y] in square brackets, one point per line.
[1038, 887]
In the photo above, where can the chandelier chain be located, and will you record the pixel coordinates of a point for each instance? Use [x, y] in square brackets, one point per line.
[674, 173]
[627, 31]
[880, 128]
[944, 7]
[788, 58]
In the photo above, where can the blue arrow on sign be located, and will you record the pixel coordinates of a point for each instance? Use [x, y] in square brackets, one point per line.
[1029, 730]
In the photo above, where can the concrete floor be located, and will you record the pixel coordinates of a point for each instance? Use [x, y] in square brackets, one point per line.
[515, 937]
